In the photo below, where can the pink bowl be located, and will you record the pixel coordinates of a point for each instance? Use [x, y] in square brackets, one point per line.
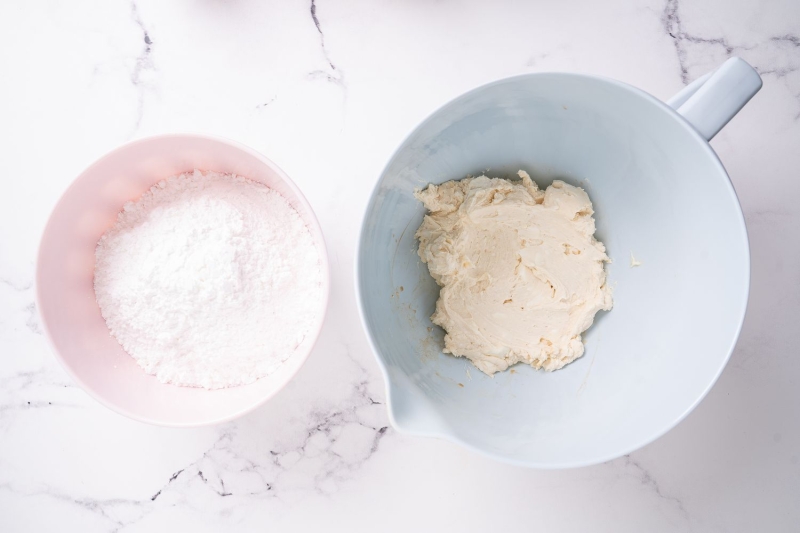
[65, 271]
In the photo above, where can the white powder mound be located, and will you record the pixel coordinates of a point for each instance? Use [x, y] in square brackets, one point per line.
[209, 280]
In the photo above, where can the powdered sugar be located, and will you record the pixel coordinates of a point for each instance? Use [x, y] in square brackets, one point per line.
[209, 280]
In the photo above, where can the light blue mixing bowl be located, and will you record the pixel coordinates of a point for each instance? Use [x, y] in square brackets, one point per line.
[659, 192]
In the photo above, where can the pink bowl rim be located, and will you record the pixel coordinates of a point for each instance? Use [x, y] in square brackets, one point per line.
[324, 266]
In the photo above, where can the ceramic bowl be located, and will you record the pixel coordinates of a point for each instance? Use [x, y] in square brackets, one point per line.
[659, 192]
[65, 272]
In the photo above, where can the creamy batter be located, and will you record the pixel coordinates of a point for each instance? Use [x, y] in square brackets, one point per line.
[520, 271]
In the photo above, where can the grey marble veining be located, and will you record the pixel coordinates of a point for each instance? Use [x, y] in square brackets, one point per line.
[143, 68]
[322, 455]
[774, 56]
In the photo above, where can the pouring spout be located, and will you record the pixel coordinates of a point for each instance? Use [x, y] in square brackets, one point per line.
[410, 410]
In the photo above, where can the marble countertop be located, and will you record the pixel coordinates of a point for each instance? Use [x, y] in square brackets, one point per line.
[327, 90]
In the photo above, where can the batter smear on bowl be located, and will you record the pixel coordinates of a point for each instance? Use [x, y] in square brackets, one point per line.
[520, 271]
[209, 280]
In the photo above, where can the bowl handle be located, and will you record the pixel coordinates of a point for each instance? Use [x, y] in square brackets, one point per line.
[709, 102]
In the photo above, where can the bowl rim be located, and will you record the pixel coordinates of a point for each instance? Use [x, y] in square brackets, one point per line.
[741, 230]
[324, 268]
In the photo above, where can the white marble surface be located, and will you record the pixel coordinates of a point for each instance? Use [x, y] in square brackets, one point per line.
[327, 91]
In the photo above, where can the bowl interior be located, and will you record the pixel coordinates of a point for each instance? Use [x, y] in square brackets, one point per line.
[65, 273]
[659, 192]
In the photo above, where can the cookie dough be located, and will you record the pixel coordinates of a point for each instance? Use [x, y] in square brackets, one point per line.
[520, 271]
